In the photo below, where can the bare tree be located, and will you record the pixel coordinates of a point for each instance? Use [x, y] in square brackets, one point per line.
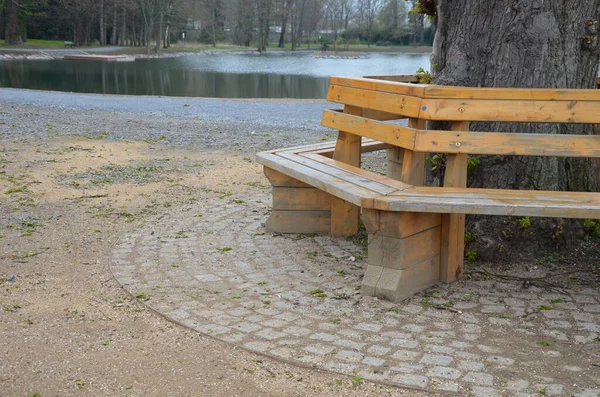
[244, 21]
[102, 22]
[297, 20]
[368, 10]
[263, 13]
[80, 14]
[115, 10]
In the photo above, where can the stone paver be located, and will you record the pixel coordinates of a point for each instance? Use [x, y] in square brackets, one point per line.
[229, 279]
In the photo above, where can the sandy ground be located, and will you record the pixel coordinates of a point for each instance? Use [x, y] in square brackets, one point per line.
[67, 327]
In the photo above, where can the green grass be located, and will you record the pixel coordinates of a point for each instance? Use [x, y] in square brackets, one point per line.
[37, 43]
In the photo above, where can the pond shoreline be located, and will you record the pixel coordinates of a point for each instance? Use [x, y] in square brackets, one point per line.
[49, 54]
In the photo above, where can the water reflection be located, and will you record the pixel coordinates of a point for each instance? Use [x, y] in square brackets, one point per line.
[221, 76]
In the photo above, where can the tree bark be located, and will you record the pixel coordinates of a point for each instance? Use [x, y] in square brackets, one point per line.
[285, 13]
[159, 31]
[12, 35]
[113, 37]
[528, 44]
[123, 31]
[102, 24]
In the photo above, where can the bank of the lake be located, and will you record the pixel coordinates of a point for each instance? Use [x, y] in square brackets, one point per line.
[224, 74]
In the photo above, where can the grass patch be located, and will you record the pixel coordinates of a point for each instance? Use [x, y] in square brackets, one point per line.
[319, 293]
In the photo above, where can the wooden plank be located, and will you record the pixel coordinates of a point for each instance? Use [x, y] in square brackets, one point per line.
[453, 225]
[365, 177]
[432, 91]
[404, 105]
[492, 202]
[597, 132]
[398, 224]
[400, 78]
[380, 115]
[497, 143]
[511, 110]
[298, 222]
[525, 94]
[413, 163]
[368, 145]
[343, 173]
[329, 179]
[300, 199]
[390, 133]
[279, 179]
[345, 215]
[417, 90]
[513, 195]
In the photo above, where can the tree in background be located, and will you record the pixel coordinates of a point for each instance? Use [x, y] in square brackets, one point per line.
[244, 17]
[263, 14]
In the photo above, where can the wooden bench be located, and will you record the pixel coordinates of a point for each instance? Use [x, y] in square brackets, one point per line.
[416, 232]
[69, 44]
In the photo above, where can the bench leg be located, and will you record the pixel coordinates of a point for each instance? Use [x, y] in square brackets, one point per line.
[404, 253]
[297, 207]
[344, 215]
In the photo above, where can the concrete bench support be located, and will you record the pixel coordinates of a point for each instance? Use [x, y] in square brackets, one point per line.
[403, 254]
[297, 207]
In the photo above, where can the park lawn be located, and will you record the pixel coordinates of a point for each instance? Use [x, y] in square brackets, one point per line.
[37, 43]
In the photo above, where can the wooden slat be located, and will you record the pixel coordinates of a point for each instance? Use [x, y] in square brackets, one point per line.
[372, 186]
[329, 183]
[368, 145]
[327, 148]
[525, 94]
[359, 172]
[404, 105]
[492, 143]
[493, 202]
[390, 133]
[511, 110]
[498, 143]
[417, 90]
[380, 115]
[400, 78]
[512, 195]
[386, 84]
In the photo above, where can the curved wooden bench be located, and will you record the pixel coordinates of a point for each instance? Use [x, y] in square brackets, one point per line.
[416, 232]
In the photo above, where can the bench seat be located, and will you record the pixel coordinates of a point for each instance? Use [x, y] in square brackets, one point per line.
[311, 164]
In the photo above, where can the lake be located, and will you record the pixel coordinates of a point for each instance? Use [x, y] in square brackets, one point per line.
[218, 75]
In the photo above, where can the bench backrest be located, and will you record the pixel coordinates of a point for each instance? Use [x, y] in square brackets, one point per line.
[384, 98]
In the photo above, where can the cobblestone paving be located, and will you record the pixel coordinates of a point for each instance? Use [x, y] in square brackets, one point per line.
[211, 267]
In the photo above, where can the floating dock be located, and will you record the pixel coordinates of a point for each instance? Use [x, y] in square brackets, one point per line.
[100, 58]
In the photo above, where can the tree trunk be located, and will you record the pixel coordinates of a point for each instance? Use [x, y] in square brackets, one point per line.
[123, 31]
[12, 34]
[113, 38]
[214, 27]
[284, 22]
[529, 44]
[147, 33]
[102, 24]
[159, 32]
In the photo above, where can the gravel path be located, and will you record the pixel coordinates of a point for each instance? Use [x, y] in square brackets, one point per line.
[211, 123]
